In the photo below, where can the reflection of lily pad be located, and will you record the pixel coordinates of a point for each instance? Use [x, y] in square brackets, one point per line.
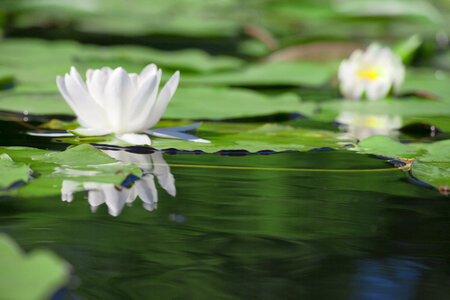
[81, 163]
[11, 172]
[29, 276]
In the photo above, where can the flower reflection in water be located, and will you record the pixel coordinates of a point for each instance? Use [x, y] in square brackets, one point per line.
[362, 126]
[153, 165]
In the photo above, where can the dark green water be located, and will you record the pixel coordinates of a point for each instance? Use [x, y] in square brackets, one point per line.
[251, 234]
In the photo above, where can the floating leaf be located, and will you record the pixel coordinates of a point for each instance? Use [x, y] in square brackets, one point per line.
[246, 137]
[12, 172]
[431, 164]
[433, 173]
[226, 103]
[187, 103]
[269, 74]
[34, 103]
[436, 82]
[434, 166]
[36, 63]
[386, 146]
[36, 275]
[80, 163]
[189, 60]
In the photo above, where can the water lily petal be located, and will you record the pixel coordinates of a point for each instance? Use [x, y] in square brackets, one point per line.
[61, 83]
[50, 133]
[86, 109]
[134, 80]
[89, 74]
[135, 139]
[118, 92]
[161, 132]
[84, 132]
[148, 70]
[96, 85]
[378, 89]
[142, 103]
[163, 99]
[352, 90]
[107, 70]
[76, 76]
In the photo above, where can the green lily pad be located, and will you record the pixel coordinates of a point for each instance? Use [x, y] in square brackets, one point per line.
[36, 275]
[11, 172]
[188, 60]
[36, 63]
[431, 161]
[247, 137]
[436, 174]
[436, 82]
[269, 74]
[386, 146]
[80, 163]
[434, 166]
[188, 103]
[34, 103]
[225, 103]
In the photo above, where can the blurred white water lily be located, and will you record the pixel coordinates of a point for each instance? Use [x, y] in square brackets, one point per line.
[362, 126]
[372, 73]
[153, 165]
[120, 103]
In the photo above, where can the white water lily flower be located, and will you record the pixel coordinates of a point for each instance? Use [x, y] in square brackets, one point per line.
[362, 126]
[120, 103]
[372, 73]
[153, 165]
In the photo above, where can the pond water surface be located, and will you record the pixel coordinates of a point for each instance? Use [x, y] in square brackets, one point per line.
[287, 226]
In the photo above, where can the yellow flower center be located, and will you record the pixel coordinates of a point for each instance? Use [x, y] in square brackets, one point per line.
[371, 74]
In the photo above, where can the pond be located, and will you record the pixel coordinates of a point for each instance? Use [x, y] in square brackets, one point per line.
[317, 224]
